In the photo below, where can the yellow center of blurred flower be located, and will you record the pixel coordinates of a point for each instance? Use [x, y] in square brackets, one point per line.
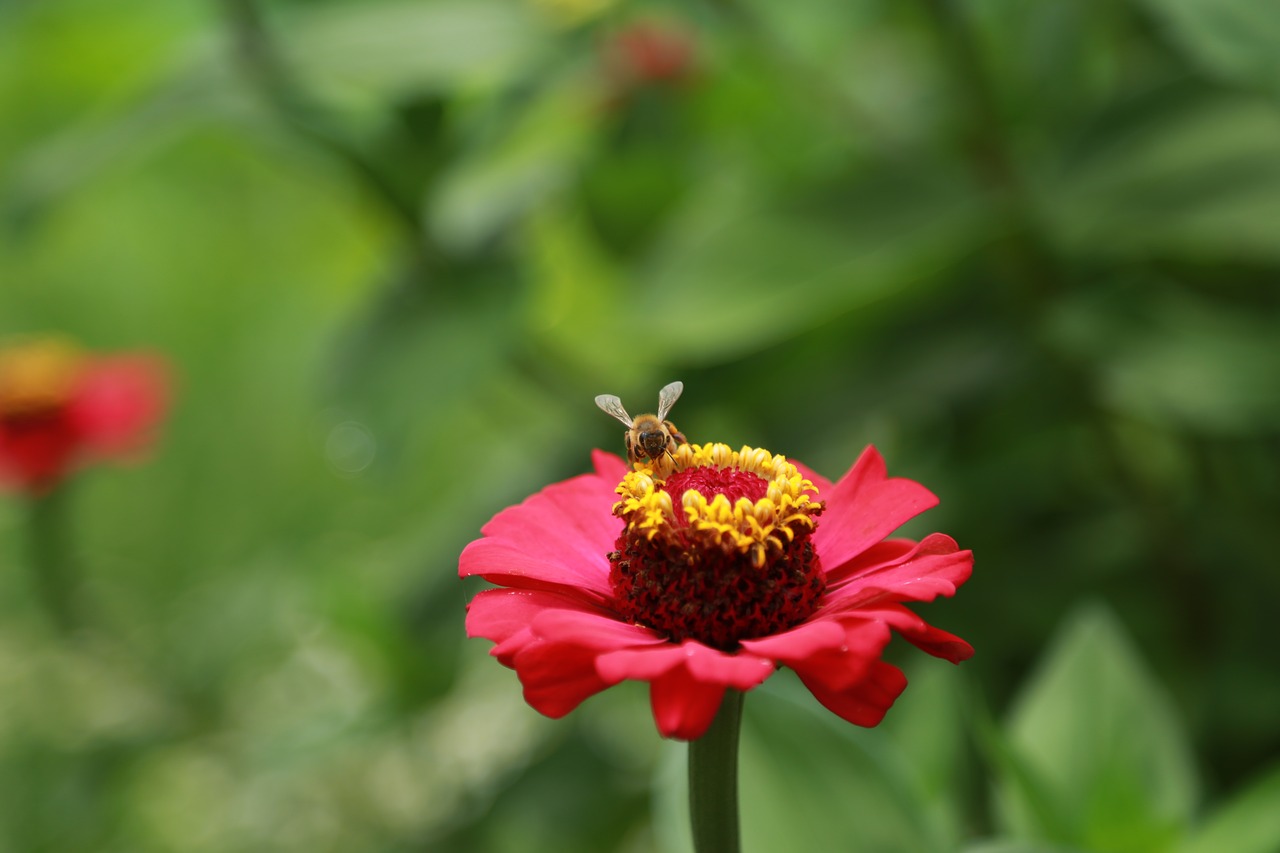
[38, 376]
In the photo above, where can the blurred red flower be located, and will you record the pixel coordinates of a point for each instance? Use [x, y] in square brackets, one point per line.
[649, 53]
[753, 572]
[60, 406]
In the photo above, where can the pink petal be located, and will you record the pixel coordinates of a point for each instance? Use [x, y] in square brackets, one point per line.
[837, 666]
[739, 670]
[119, 400]
[581, 506]
[557, 677]
[864, 702]
[888, 554]
[573, 525]
[799, 642]
[506, 564]
[883, 553]
[921, 578]
[507, 648]
[591, 629]
[864, 507]
[495, 614]
[924, 636]
[557, 666]
[505, 615]
[609, 467]
[684, 707]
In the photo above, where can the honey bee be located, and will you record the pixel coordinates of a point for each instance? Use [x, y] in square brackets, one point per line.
[647, 436]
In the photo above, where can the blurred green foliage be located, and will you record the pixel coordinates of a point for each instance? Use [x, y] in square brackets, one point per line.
[393, 249]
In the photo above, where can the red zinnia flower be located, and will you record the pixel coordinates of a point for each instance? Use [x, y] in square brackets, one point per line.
[59, 406]
[764, 564]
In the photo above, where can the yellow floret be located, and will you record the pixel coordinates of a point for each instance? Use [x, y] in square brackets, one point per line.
[754, 528]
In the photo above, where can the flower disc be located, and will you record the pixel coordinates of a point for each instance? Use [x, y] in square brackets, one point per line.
[736, 562]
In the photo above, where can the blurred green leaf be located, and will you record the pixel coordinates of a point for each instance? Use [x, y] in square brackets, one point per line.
[670, 791]
[1237, 40]
[72, 62]
[356, 57]
[1193, 177]
[1198, 366]
[1173, 358]
[1249, 822]
[578, 300]
[1100, 739]
[515, 166]
[1006, 846]
[927, 727]
[737, 274]
[65, 160]
[1056, 60]
[386, 50]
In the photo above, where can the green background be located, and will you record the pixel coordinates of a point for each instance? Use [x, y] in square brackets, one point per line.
[394, 249]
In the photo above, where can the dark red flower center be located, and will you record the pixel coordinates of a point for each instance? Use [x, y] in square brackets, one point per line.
[713, 571]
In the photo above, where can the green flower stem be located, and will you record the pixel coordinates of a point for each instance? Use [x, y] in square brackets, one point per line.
[53, 573]
[713, 781]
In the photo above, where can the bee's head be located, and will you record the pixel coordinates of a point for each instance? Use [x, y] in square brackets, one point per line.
[653, 438]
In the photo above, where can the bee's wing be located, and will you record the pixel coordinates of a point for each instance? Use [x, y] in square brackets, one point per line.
[666, 398]
[613, 406]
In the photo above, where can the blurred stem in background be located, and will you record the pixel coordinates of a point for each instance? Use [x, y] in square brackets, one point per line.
[807, 79]
[1026, 257]
[713, 780]
[53, 570]
[266, 72]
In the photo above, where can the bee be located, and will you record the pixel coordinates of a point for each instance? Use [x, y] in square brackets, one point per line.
[647, 436]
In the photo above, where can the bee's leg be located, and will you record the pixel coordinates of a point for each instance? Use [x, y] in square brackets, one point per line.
[676, 435]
